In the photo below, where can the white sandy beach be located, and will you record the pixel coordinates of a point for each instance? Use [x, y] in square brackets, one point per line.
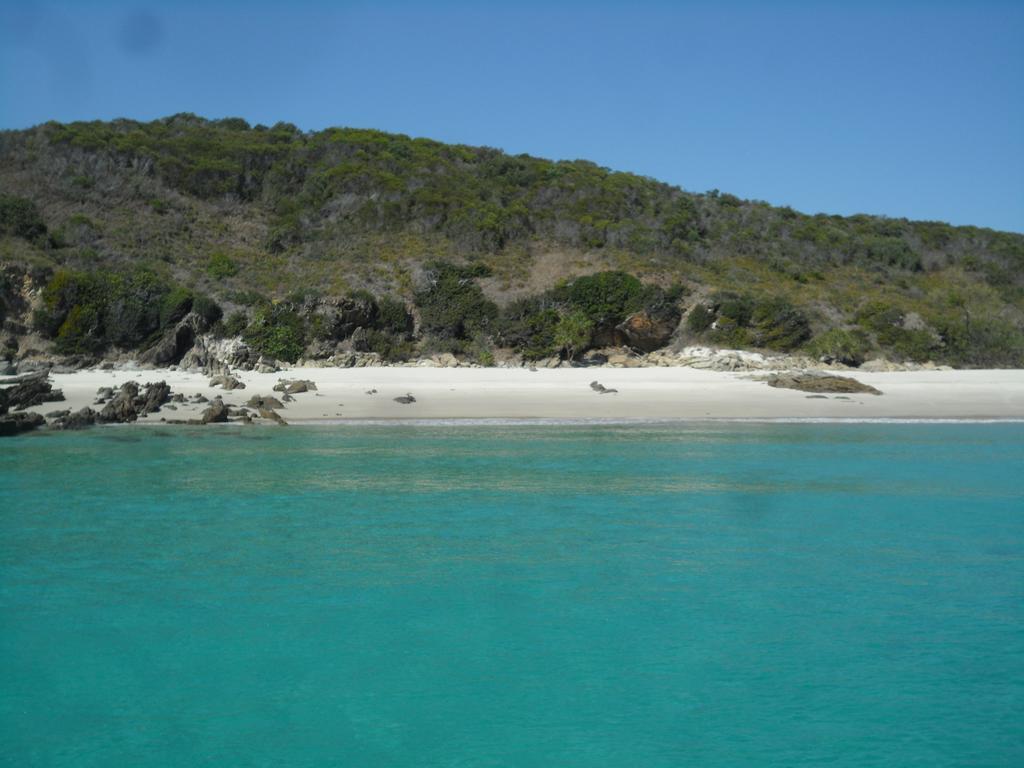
[518, 393]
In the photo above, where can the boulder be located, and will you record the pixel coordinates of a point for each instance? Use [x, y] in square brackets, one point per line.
[879, 365]
[216, 413]
[16, 423]
[622, 360]
[227, 382]
[342, 317]
[156, 394]
[646, 333]
[267, 365]
[86, 417]
[272, 415]
[446, 360]
[320, 349]
[121, 409]
[295, 387]
[175, 343]
[264, 401]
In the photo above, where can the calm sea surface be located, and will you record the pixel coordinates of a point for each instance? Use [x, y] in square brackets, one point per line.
[494, 595]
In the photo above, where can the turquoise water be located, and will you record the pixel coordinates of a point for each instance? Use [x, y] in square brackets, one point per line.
[708, 595]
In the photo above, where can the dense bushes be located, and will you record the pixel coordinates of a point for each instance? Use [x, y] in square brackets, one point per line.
[900, 334]
[87, 312]
[838, 345]
[605, 298]
[220, 266]
[740, 320]
[20, 217]
[277, 331]
[569, 318]
[452, 305]
[777, 324]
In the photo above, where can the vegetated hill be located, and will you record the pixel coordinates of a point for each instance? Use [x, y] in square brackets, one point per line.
[485, 247]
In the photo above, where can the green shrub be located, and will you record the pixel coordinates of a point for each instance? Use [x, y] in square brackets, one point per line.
[981, 342]
[393, 317]
[391, 347]
[777, 324]
[21, 218]
[221, 266]
[235, 324]
[729, 333]
[528, 326]
[175, 306]
[573, 332]
[840, 346]
[453, 306]
[277, 331]
[81, 331]
[699, 319]
[605, 298]
[738, 308]
[89, 311]
[206, 308]
[248, 298]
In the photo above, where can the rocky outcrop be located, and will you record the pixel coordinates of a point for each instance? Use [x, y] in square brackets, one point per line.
[27, 391]
[175, 343]
[217, 413]
[340, 317]
[820, 383]
[216, 357]
[86, 417]
[272, 415]
[264, 401]
[16, 423]
[295, 387]
[156, 395]
[355, 360]
[227, 382]
[625, 360]
[128, 404]
[646, 333]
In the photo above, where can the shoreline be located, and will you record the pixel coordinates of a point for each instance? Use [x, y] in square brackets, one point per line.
[564, 395]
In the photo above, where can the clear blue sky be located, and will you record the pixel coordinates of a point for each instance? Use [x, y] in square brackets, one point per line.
[907, 108]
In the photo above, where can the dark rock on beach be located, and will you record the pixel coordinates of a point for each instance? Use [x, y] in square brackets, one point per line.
[226, 381]
[86, 417]
[264, 401]
[272, 415]
[16, 423]
[129, 404]
[811, 382]
[295, 387]
[28, 391]
[173, 345]
[121, 408]
[216, 413]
